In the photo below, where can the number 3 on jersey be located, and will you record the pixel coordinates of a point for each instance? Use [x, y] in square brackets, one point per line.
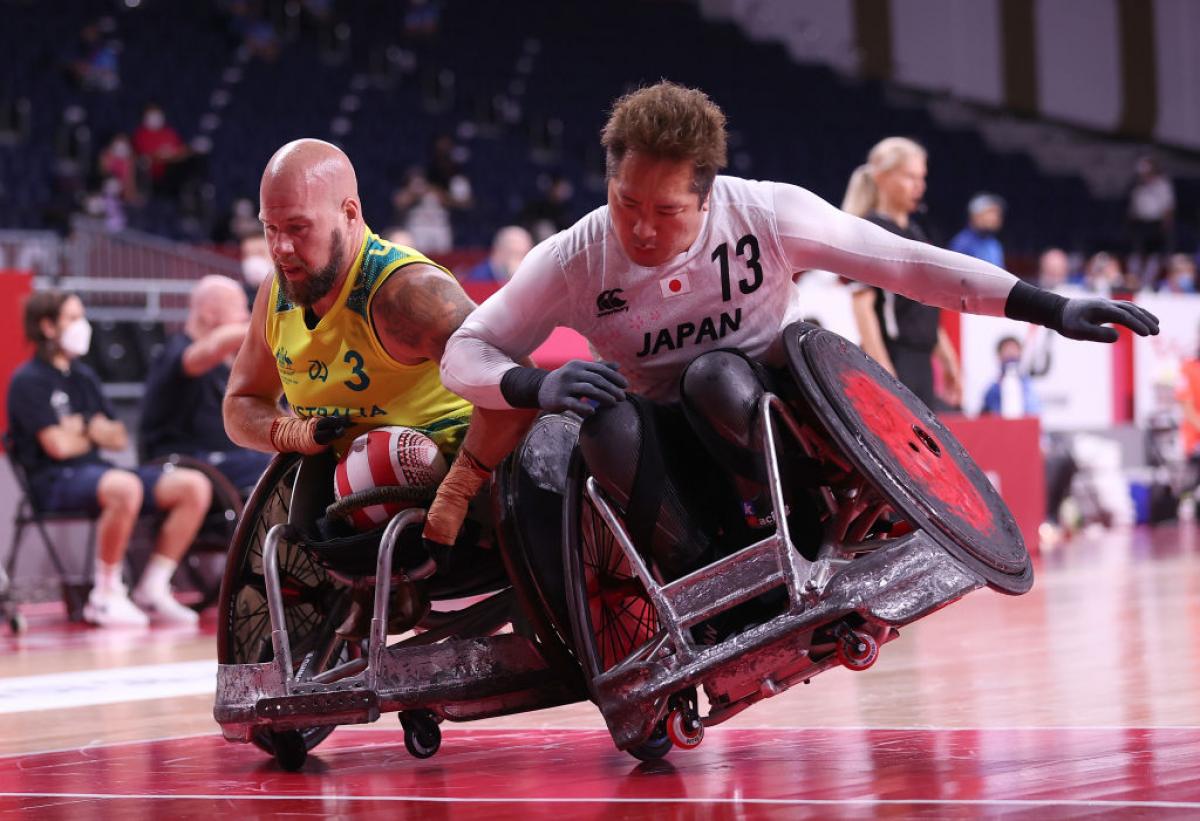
[721, 255]
[361, 380]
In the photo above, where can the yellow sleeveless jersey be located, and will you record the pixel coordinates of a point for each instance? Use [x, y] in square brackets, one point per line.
[340, 367]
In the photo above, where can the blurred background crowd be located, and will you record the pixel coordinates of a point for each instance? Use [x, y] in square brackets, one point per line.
[133, 133]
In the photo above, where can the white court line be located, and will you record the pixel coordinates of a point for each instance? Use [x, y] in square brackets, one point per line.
[101, 745]
[794, 802]
[84, 688]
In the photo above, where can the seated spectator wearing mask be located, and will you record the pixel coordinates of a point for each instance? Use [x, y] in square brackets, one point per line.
[1011, 395]
[185, 388]
[60, 421]
[256, 265]
[985, 218]
[509, 247]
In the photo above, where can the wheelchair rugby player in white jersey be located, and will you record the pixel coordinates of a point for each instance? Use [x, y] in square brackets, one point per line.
[753, 477]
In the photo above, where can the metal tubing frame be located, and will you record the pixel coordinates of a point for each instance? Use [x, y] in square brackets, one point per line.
[280, 641]
[796, 572]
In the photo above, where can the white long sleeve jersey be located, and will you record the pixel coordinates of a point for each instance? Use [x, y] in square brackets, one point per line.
[733, 288]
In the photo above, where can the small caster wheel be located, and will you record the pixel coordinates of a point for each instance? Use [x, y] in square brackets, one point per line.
[685, 729]
[655, 747]
[422, 735]
[290, 750]
[857, 651]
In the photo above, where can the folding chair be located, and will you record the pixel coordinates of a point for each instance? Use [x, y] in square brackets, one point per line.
[75, 592]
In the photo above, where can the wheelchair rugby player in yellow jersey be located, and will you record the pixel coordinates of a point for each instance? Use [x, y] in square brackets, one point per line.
[351, 329]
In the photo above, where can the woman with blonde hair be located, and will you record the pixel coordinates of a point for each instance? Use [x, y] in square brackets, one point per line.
[899, 333]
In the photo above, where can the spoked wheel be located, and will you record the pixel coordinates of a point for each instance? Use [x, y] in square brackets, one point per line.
[313, 605]
[611, 614]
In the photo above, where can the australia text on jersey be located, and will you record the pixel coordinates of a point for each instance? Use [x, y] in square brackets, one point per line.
[708, 329]
[352, 413]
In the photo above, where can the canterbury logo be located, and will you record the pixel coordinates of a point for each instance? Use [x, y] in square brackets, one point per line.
[610, 302]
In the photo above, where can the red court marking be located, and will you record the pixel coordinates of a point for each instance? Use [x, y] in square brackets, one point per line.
[942, 771]
[889, 419]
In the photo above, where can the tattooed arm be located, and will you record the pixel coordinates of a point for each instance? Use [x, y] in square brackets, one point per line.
[414, 313]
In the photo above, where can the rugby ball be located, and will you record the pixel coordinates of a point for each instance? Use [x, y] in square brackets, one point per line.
[388, 456]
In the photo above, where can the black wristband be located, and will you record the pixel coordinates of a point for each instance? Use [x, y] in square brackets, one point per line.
[519, 386]
[1029, 303]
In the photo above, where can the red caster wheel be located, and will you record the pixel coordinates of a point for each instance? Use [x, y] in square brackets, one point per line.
[685, 729]
[857, 651]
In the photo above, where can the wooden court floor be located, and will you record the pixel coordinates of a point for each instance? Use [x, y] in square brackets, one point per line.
[1080, 699]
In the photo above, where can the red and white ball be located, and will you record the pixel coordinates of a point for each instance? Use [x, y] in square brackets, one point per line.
[390, 456]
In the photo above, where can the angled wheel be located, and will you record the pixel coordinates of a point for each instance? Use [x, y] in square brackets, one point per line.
[655, 747]
[611, 614]
[313, 605]
[422, 735]
[290, 749]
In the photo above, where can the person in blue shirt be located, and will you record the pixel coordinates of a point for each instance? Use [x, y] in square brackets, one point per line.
[985, 218]
[1011, 395]
[509, 247]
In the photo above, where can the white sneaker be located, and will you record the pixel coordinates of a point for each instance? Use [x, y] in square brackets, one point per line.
[113, 609]
[163, 609]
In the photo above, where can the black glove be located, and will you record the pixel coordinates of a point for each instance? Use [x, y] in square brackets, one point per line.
[1086, 317]
[568, 387]
[329, 428]
[1082, 318]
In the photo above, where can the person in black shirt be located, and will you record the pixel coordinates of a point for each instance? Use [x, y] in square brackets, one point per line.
[897, 332]
[181, 411]
[60, 421]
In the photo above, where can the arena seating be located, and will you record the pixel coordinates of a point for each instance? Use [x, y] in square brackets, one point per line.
[789, 122]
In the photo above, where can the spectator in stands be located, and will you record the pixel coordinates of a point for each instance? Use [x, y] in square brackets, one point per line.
[445, 171]
[117, 162]
[256, 265]
[1151, 215]
[548, 214]
[1102, 274]
[1054, 269]
[510, 246]
[182, 407]
[243, 219]
[1189, 402]
[166, 156]
[1180, 276]
[96, 66]
[398, 236]
[421, 210]
[60, 420]
[985, 218]
[899, 333]
[1011, 395]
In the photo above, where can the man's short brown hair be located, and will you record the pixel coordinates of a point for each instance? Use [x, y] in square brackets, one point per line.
[668, 121]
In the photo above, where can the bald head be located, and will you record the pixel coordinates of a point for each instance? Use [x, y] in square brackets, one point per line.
[316, 168]
[215, 301]
[312, 219]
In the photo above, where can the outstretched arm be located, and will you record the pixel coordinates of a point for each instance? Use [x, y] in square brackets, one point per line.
[817, 235]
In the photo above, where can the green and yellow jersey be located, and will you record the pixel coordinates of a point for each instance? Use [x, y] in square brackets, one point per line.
[340, 368]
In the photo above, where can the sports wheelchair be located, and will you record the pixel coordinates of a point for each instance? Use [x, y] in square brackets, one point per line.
[564, 607]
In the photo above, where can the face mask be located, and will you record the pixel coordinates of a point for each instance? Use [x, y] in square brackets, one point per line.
[154, 120]
[256, 268]
[76, 338]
